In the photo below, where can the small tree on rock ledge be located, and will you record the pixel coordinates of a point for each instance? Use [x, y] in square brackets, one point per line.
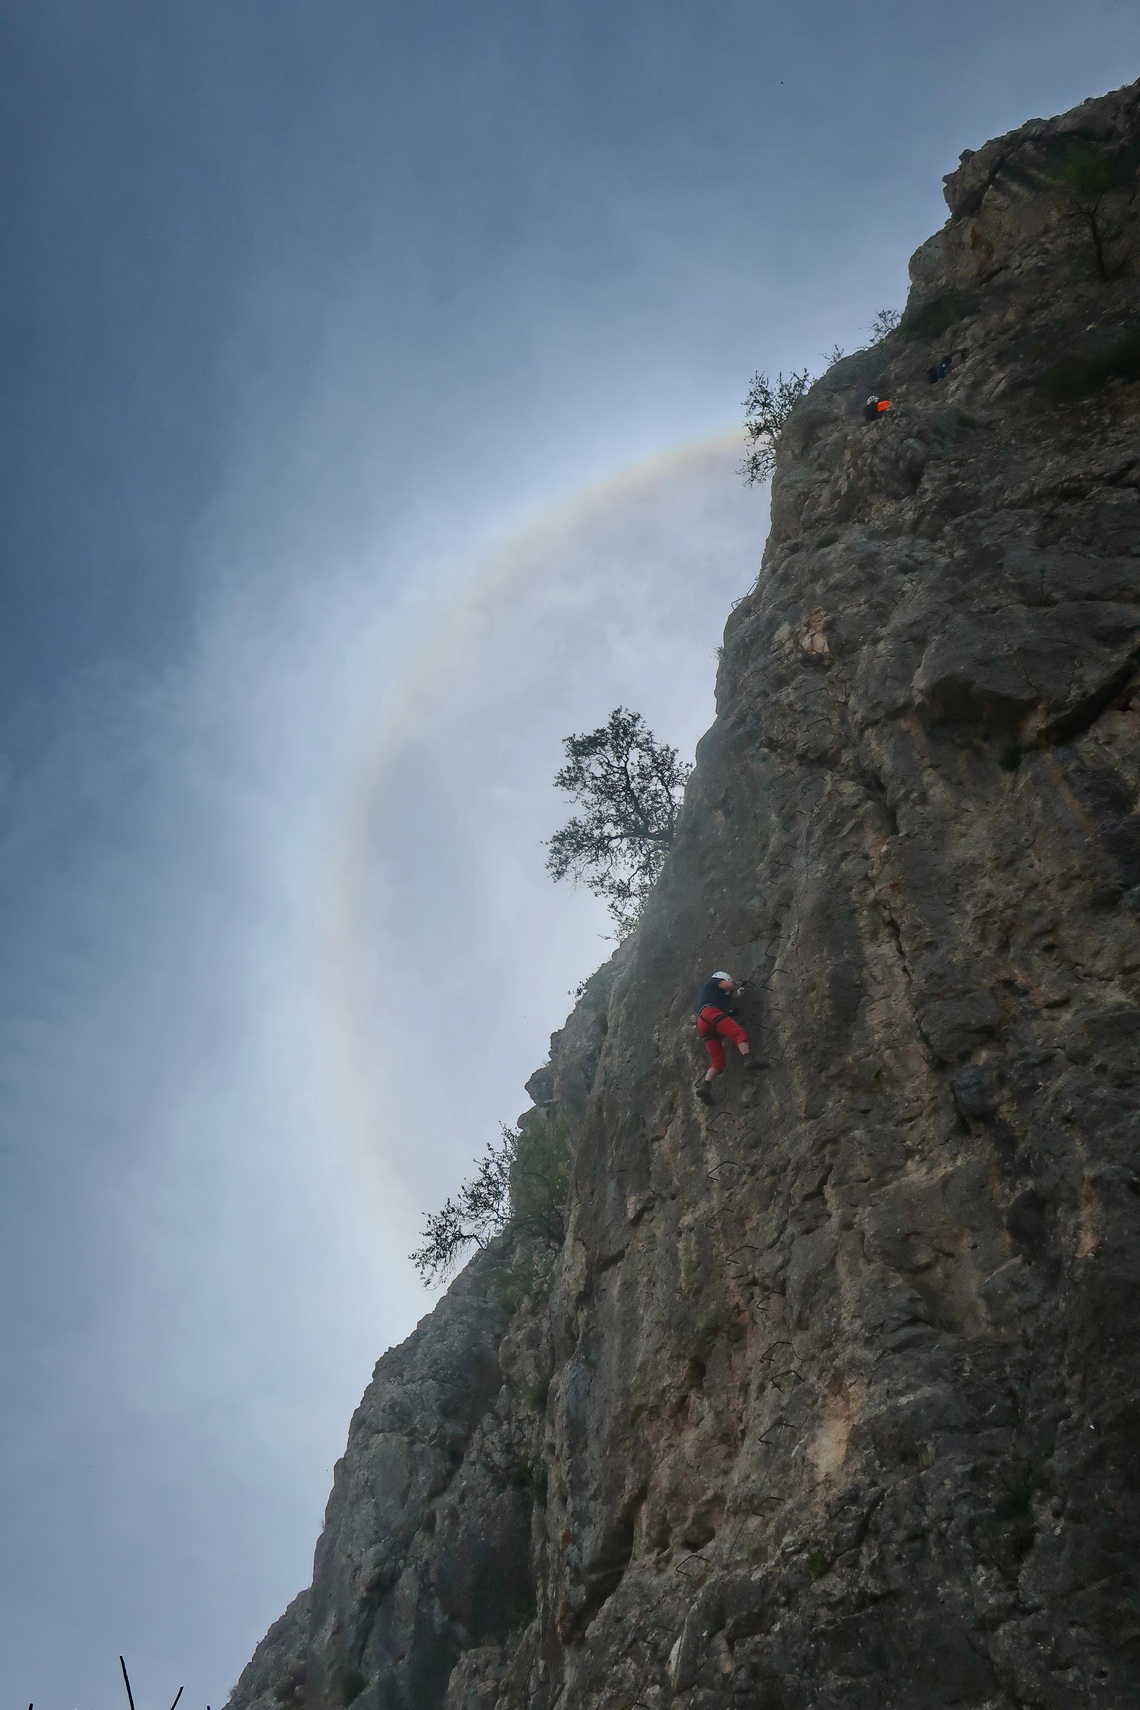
[1085, 176]
[766, 409]
[630, 786]
[519, 1190]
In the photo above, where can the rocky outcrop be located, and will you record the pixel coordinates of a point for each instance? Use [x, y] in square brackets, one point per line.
[425, 1549]
[426, 1565]
[835, 1400]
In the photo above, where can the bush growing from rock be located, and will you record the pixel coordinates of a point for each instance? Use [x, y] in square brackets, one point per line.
[519, 1191]
[932, 319]
[886, 321]
[766, 410]
[1079, 376]
[1084, 176]
[630, 786]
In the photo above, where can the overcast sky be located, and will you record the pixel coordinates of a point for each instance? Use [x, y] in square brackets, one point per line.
[372, 380]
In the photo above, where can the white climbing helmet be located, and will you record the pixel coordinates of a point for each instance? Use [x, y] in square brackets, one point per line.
[721, 975]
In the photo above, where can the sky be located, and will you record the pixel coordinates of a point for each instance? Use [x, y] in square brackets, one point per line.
[371, 414]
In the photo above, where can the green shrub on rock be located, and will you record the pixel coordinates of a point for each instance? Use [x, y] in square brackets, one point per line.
[1081, 375]
[766, 411]
[518, 1191]
[1083, 175]
[932, 319]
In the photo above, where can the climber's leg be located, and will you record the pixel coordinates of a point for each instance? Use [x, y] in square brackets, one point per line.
[716, 1052]
[733, 1030]
[730, 1029]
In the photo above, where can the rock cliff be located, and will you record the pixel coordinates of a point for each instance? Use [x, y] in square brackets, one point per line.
[833, 1399]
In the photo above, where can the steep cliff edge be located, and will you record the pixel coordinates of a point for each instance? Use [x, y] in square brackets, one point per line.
[835, 1399]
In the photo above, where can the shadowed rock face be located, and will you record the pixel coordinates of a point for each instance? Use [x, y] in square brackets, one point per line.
[425, 1572]
[844, 1406]
[426, 1546]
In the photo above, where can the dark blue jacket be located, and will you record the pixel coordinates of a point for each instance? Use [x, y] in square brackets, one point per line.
[712, 994]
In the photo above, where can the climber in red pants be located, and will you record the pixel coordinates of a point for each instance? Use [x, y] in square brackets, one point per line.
[715, 1023]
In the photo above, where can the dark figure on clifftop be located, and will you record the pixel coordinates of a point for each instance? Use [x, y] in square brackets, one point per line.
[715, 1023]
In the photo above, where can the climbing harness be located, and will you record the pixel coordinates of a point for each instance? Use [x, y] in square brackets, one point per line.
[708, 1018]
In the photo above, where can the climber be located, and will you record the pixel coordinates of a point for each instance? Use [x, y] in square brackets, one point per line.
[944, 364]
[715, 1023]
[875, 407]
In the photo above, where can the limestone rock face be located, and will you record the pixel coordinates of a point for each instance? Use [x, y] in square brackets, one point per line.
[425, 1550]
[844, 1372]
[427, 1563]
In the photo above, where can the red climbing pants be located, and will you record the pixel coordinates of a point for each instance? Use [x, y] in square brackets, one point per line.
[713, 1025]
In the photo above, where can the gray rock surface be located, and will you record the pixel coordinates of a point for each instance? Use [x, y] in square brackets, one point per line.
[844, 1372]
[426, 1565]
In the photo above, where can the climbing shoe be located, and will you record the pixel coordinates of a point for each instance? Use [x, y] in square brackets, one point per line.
[704, 1092]
[754, 1063]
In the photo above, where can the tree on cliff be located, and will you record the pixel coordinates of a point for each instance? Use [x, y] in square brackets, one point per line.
[519, 1189]
[1085, 176]
[479, 1212]
[766, 409]
[630, 786]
